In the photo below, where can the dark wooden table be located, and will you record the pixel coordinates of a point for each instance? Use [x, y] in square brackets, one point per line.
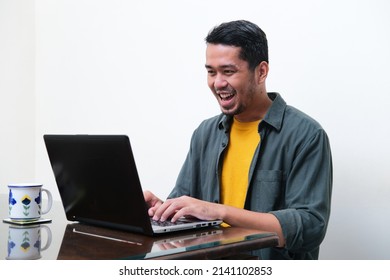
[73, 241]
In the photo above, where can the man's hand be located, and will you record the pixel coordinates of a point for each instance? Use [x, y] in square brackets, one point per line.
[153, 202]
[176, 208]
[187, 206]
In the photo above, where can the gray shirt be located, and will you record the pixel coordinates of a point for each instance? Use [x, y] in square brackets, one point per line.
[290, 175]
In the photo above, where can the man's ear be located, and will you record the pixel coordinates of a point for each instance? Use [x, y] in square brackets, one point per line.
[262, 72]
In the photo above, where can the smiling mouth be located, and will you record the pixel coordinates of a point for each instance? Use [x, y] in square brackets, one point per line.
[226, 96]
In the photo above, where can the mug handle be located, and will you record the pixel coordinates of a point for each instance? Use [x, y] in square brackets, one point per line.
[48, 242]
[49, 202]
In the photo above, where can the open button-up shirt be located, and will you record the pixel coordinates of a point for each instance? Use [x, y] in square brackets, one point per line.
[290, 175]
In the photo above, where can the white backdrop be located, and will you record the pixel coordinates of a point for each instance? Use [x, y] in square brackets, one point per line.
[137, 68]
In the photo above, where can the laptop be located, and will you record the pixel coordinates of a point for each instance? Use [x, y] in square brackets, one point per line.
[98, 182]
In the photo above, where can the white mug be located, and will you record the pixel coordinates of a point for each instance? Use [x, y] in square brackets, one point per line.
[24, 242]
[25, 202]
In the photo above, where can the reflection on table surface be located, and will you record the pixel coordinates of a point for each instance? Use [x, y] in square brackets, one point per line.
[39, 241]
[61, 239]
[25, 242]
[89, 242]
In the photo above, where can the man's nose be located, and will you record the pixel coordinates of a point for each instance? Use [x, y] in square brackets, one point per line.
[220, 82]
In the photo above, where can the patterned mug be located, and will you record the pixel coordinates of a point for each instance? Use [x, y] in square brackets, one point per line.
[25, 202]
[24, 242]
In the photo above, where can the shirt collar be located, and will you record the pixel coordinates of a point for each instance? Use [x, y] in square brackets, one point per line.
[275, 114]
[273, 117]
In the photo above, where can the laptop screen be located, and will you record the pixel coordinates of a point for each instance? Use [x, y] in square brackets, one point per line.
[98, 181]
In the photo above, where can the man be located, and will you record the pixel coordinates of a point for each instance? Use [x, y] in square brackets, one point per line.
[261, 163]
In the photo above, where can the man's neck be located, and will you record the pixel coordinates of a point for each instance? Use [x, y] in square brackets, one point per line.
[257, 110]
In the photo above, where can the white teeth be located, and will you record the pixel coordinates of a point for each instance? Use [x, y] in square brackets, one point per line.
[225, 95]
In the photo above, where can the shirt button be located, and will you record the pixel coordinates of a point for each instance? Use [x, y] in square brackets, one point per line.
[223, 145]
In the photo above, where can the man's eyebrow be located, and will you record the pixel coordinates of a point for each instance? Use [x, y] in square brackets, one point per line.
[222, 66]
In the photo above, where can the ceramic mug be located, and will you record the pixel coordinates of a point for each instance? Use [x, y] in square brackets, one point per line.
[25, 202]
[24, 242]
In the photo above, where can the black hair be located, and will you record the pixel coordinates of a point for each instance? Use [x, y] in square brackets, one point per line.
[244, 34]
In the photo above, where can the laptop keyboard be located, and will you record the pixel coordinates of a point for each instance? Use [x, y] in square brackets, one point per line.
[166, 223]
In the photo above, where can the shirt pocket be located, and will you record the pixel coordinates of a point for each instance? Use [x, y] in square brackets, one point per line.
[266, 191]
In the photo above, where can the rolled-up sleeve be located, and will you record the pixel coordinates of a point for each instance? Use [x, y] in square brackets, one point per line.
[308, 189]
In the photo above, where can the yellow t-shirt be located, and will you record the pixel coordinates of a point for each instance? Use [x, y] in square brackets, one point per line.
[244, 138]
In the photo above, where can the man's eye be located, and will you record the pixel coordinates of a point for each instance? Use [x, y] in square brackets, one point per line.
[211, 72]
[229, 72]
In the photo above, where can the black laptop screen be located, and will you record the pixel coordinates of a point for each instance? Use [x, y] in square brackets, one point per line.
[97, 180]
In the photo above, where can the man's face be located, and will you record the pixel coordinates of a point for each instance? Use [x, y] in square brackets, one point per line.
[229, 78]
